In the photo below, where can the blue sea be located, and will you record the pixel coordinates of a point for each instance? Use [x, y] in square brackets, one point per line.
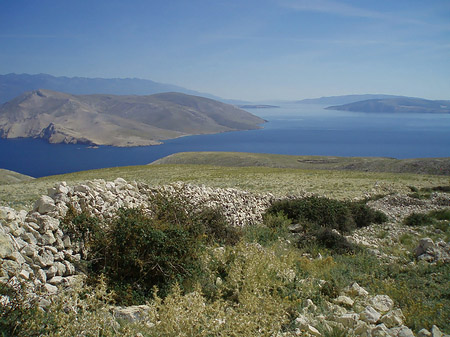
[296, 129]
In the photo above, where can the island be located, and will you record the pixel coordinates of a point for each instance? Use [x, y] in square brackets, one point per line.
[396, 105]
[118, 120]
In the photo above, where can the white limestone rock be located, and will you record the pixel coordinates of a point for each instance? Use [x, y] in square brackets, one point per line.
[345, 301]
[50, 288]
[44, 205]
[370, 315]
[6, 246]
[380, 331]
[132, 314]
[348, 320]
[382, 303]
[393, 318]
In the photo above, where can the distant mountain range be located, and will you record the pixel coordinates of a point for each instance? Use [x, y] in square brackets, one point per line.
[396, 105]
[118, 120]
[13, 85]
[345, 99]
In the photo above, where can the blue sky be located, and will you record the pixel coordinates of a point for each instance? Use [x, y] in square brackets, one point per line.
[247, 49]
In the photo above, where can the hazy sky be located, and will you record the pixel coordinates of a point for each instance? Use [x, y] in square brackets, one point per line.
[242, 49]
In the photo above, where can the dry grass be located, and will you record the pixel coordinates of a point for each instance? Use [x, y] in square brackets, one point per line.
[279, 181]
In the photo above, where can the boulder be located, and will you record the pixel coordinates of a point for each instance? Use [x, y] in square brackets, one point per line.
[424, 333]
[382, 303]
[345, 301]
[370, 315]
[355, 289]
[393, 318]
[44, 205]
[6, 246]
[131, 314]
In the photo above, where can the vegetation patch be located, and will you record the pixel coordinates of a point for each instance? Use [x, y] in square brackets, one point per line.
[138, 251]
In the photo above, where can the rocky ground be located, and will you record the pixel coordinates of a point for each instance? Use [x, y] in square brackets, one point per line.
[34, 249]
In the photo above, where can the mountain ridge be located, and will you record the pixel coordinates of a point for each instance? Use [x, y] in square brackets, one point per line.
[13, 85]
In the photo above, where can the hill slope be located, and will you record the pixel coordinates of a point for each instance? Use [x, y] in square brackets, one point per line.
[11, 177]
[396, 105]
[117, 120]
[438, 166]
[13, 85]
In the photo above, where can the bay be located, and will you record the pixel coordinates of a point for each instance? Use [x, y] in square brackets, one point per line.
[293, 129]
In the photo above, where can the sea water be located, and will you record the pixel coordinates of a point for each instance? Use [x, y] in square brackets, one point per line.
[296, 129]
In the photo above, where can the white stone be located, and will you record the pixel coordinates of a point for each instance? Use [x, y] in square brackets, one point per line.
[70, 269]
[61, 267]
[344, 301]
[424, 333]
[312, 330]
[48, 238]
[348, 320]
[370, 315]
[50, 288]
[51, 272]
[380, 331]
[41, 275]
[44, 205]
[30, 238]
[55, 280]
[393, 318]
[404, 331]
[24, 274]
[363, 329]
[45, 259]
[435, 332]
[30, 251]
[6, 247]
[16, 256]
[382, 303]
[133, 313]
[356, 290]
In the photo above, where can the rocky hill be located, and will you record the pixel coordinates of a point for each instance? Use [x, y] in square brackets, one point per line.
[396, 105]
[118, 120]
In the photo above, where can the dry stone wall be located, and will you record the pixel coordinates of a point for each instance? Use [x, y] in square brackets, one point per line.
[34, 248]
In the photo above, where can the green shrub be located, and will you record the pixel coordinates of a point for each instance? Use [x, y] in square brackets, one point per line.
[216, 227]
[325, 238]
[138, 250]
[18, 312]
[418, 219]
[321, 211]
[324, 212]
[443, 214]
[137, 253]
[274, 226]
[364, 215]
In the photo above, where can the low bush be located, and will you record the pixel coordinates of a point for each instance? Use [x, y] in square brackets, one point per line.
[324, 212]
[274, 226]
[418, 219]
[137, 251]
[320, 211]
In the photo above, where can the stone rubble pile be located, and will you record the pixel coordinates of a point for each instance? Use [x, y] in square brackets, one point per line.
[359, 314]
[399, 206]
[431, 251]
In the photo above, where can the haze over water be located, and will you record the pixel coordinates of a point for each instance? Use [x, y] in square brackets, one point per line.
[293, 129]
